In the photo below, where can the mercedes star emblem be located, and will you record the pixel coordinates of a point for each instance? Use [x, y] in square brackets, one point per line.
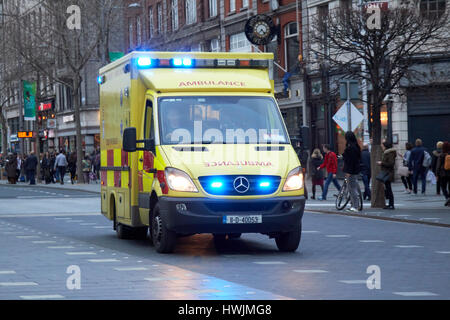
[241, 184]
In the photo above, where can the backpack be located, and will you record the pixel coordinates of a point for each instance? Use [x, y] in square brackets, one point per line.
[447, 162]
[426, 159]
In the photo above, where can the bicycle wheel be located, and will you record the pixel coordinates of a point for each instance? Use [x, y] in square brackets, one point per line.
[343, 197]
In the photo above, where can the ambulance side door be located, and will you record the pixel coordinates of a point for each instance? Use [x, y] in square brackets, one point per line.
[146, 169]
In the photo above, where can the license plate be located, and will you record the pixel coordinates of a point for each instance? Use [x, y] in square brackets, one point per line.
[242, 219]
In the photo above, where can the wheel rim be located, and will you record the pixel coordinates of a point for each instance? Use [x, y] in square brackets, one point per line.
[157, 230]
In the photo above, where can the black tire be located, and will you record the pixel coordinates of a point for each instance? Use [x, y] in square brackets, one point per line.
[220, 241]
[124, 232]
[163, 239]
[343, 198]
[289, 241]
[234, 235]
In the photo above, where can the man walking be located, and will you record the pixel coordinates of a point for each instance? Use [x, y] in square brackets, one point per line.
[416, 166]
[330, 163]
[30, 168]
[60, 165]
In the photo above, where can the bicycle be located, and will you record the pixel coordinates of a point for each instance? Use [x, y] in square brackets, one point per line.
[343, 196]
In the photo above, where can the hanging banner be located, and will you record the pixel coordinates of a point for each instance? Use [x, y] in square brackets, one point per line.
[29, 100]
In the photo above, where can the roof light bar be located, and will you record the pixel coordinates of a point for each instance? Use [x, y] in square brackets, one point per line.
[186, 62]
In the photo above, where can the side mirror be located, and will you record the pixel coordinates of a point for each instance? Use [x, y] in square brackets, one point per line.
[129, 140]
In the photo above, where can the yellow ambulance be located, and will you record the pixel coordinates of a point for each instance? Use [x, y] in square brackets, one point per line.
[194, 142]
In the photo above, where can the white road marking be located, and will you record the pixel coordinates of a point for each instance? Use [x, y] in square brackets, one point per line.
[74, 221]
[269, 262]
[7, 272]
[42, 297]
[311, 271]
[443, 252]
[337, 236]
[310, 231]
[73, 253]
[60, 247]
[63, 218]
[88, 224]
[27, 237]
[44, 241]
[430, 218]
[131, 269]
[353, 281]
[103, 260]
[416, 294]
[13, 284]
[46, 215]
[408, 246]
[102, 227]
[370, 241]
[401, 215]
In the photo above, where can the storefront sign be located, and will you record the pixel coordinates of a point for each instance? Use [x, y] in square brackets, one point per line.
[24, 134]
[68, 118]
[29, 100]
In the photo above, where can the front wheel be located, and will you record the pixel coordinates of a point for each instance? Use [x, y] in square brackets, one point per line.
[343, 198]
[289, 241]
[164, 240]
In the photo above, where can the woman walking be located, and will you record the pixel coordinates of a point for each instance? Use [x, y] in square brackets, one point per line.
[404, 172]
[443, 170]
[86, 163]
[11, 169]
[387, 164]
[72, 165]
[352, 168]
[45, 164]
[316, 174]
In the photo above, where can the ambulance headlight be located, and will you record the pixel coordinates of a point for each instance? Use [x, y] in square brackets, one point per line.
[179, 180]
[294, 180]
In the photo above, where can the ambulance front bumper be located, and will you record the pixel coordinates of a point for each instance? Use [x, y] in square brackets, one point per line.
[205, 215]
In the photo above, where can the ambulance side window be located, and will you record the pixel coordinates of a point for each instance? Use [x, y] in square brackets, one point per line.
[149, 132]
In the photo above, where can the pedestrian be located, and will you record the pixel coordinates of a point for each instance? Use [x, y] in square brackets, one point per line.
[52, 168]
[416, 165]
[86, 166]
[404, 172]
[30, 168]
[23, 170]
[72, 166]
[387, 164]
[352, 168]
[60, 165]
[316, 174]
[434, 156]
[45, 164]
[302, 154]
[11, 168]
[443, 171]
[19, 165]
[366, 171]
[330, 163]
[97, 165]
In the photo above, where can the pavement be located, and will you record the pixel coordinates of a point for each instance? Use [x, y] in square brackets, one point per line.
[57, 245]
[424, 209]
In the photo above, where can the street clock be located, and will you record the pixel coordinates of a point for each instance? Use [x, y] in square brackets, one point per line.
[260, 29]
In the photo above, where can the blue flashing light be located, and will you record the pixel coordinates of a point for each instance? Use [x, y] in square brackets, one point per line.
[216, 185]
[264, 184]
[144, 62]
[187, 62]
[100, 79]
[177, 62]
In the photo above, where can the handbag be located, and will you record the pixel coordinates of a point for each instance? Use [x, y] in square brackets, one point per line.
[383, 176]
[403, 171]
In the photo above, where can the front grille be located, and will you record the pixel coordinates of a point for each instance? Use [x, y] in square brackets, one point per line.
[247, 185]
[227, 206]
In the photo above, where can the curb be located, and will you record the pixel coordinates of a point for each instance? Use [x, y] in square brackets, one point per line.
[368, 216]
[55, 188]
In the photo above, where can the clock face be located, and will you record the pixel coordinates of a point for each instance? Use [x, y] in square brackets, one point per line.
[260, 29]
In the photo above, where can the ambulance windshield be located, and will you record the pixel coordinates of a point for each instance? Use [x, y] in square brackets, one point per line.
[220, 119]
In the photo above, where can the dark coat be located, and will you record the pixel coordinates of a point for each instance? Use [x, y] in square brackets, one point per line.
[316, 174]
[365, 162]
[416, 159]
[434, 157]
[31, 163]
[388, 162]
[440, 169]
[11, 167]
[352, 159]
